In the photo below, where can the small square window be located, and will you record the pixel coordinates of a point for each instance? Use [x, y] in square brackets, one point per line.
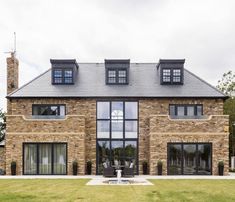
[121, 73]
[112, 73]
[166, 75]
[117, 76]
[111, 80]
[171, 75]
[63, 76]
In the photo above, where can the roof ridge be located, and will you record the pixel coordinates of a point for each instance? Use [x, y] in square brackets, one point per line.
[16, 90]
[202, 80]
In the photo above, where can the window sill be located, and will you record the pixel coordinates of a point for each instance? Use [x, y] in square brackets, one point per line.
[189, 117]
[46, 117]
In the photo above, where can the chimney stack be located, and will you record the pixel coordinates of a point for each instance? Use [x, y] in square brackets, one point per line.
[12, 73]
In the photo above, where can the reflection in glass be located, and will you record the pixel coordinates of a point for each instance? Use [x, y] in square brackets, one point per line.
[131, 110]
[204, 159]
[189, 161]
[174, 161]
[103, 129]
[199, 110]
[117, 129]
[172, 110]
[103, 155]
[131, 154]
[59, 159]
[117, 110]
[180, 111]
[131, 129]
[45, 164]
[30, 159]
[117, 154]
[190, 110]
[103, 110]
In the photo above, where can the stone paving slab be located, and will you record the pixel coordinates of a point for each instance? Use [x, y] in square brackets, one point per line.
[132, 181]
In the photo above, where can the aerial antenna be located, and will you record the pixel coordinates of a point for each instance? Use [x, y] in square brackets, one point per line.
[13, 52]
[14, 43]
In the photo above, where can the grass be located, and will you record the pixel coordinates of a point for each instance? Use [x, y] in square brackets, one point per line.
[76, 190]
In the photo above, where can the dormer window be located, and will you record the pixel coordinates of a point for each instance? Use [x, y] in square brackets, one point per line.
[171, 76]
[117, 76]
[171, 71]
[64, 72]
[117, 71]
[62, 76]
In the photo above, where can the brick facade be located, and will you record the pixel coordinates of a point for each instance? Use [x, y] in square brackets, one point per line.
[2, 158]
[78, 129]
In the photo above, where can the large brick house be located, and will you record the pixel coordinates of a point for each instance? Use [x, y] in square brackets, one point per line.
[116, 110]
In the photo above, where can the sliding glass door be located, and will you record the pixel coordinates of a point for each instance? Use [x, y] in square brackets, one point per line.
[189, 158]
[30, 159]
[45, 158]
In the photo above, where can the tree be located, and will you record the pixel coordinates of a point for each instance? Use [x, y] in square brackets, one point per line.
[227, 83]
[2, 125]
[227, 86]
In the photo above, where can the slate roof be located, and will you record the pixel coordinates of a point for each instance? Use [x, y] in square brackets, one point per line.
[144, 81]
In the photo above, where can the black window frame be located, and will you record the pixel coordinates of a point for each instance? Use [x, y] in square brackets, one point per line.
[185, 110]
[172, 76]
[63, 78]
[49, 105]
[52, 156]
[124, 139]
[117, 77]
[182, 155]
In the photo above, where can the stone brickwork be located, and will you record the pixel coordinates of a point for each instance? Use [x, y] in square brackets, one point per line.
[153, 107]
[12, 76]
[2, 158]
[79, 129]
[212, 131]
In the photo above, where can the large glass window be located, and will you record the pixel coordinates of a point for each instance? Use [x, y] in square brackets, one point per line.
[45, 158]
[117, 133]
[185, 111]
[189, 158]
[44, 111]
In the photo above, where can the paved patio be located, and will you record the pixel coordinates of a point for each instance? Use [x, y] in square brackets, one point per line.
[231, 176]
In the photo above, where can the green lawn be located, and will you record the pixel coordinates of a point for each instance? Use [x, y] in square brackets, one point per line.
[76, 190]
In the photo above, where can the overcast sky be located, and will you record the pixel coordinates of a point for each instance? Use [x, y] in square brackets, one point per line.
[201, 31]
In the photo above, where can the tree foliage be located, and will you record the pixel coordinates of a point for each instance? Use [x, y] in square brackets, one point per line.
[2, 125]
[227, 83]
[227, 86]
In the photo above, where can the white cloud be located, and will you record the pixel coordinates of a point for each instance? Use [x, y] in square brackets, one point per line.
[202, 32]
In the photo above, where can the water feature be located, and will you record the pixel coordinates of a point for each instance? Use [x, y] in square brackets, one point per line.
[119, 175]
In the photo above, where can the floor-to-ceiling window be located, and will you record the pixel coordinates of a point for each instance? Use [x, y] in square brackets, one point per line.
[117, 134]
[189, 158]
[45, 158]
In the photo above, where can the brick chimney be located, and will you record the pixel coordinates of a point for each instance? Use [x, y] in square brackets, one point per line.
[12, 73]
